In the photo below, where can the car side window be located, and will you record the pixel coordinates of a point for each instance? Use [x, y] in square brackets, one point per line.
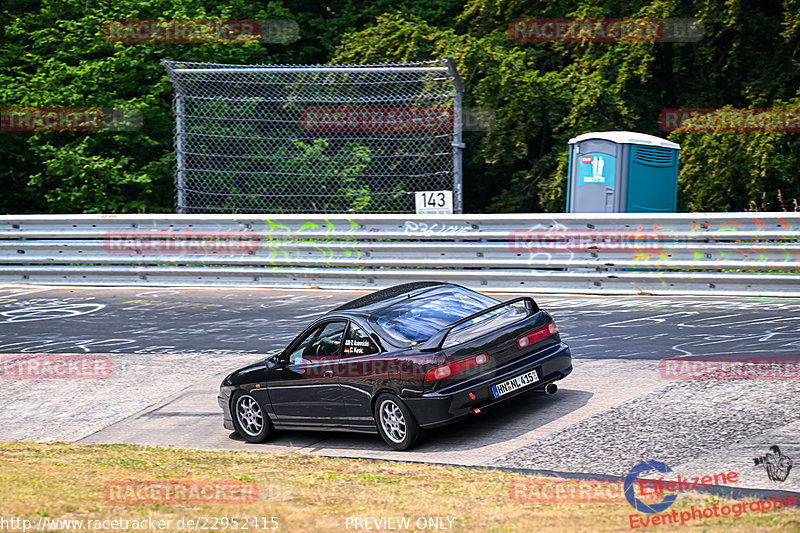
[322, 342]
[357, 342]
[300, 349]
[328, 341]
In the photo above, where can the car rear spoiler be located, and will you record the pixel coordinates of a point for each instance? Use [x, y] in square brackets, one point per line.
[435, 343]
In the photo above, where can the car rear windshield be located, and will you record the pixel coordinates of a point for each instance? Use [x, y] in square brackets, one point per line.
[418, 319]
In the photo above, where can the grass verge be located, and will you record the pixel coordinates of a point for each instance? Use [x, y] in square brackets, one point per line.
[46, 482]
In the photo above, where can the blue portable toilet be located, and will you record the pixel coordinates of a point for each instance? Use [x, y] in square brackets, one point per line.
[622, 172]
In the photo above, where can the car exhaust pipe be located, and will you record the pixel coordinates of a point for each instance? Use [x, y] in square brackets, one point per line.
[550, 389]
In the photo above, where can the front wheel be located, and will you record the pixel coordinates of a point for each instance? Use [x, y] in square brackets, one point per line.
[396, 423]
[249, 418]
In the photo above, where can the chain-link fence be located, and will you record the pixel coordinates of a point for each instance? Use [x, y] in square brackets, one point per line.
[315, 139]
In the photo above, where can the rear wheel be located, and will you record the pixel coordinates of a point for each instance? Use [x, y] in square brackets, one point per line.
[396, 423]
[249, 418]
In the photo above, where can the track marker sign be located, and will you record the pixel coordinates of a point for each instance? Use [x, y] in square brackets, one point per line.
[434, 202]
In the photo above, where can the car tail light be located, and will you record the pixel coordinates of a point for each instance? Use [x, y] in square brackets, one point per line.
[435, 374]
[541, 333]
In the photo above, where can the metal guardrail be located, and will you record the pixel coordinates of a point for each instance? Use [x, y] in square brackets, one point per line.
[720, 253]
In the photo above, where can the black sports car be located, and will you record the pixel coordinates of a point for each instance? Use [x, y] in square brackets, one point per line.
[403, 359]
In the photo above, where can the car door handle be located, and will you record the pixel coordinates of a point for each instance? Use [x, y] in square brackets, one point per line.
[327, 374]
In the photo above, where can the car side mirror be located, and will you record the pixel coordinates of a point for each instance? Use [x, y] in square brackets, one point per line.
[274, 362]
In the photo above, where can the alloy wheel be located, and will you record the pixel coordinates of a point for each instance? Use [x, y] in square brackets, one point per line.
[249, 415]
[393, 422]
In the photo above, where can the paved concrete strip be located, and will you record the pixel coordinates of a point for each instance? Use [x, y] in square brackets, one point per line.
[51, 410]
[192, 418]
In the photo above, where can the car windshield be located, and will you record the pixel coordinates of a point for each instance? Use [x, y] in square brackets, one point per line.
[418, 319]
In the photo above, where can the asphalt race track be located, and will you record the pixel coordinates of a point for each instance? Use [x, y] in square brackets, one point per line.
[170, 348]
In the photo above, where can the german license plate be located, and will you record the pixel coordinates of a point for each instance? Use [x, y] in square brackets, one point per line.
[517, 382]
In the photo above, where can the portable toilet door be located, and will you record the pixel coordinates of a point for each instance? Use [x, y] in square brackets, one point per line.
[622, 172]
[652, 178]
[593, 186]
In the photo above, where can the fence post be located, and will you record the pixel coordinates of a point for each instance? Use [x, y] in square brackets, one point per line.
[180, 159]
[458, 142]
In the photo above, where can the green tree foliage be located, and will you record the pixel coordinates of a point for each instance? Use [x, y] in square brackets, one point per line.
[545, 93]
[53, 54]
